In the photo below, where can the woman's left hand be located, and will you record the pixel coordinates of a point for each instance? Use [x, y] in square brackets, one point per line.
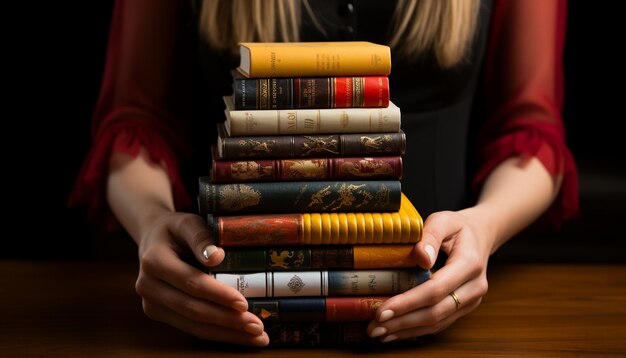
[454, 290]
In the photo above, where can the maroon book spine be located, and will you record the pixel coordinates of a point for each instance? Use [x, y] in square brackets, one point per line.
[344, 309]
[359, 168]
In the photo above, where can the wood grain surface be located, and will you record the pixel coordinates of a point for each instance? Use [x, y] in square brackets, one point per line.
[90, 309]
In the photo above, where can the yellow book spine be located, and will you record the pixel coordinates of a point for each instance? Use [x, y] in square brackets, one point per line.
[404, 226]
[305, 59]
[368, 256]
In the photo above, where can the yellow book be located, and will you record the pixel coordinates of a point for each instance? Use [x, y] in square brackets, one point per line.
[306, 59]
[404, 226]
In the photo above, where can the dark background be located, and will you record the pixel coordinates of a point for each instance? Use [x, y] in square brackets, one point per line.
[55, 59]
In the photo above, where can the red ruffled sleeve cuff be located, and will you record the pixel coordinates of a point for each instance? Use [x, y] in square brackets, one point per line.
[127, 136]
[544, 142]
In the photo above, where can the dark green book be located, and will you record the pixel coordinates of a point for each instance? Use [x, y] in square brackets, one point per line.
[299, 197]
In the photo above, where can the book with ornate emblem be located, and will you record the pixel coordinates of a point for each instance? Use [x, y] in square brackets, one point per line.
[400, 227]
[316, 309]
[310, 92]
[321, 257]
[324, 283]
[307, 146]
[257, 122]
[302, 169]
[298, 196]
[310, 59]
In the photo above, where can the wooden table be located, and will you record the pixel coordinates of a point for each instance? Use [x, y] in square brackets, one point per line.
[90, 309]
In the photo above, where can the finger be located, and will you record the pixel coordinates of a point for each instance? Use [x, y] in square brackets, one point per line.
[194, 232]
[430, 329]
[194, 309]
[161, 262]
[437, 228]
[467, 294]
[461, 267]
[203, 330]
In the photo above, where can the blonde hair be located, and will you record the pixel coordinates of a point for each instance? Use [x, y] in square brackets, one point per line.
[445, 27]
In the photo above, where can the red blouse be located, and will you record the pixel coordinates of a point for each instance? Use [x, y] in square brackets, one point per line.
[141, 103]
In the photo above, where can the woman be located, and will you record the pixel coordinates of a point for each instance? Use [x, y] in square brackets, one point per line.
[155, 119]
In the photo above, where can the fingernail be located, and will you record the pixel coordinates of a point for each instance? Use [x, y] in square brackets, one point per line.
[208, 251]
[431, 253]
[253, 328]
[389, 338]
[240, 306]
[261, 340]
[387, 314]
[378, 331]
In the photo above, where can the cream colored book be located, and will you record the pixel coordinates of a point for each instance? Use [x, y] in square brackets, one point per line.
[310, 121]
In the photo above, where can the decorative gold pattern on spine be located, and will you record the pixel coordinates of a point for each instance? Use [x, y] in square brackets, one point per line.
[358, 84]
[332, 87]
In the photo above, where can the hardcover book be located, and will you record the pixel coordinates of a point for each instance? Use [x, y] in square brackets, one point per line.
[328, 334]
[333, 257]
[310, 59]
[307, 146]
[303, 169]
[310, 121]
[401, 227]
[316, 309]
[307, 257]
[324, 283]
[310, 92]
[292, 196]
[318, 334]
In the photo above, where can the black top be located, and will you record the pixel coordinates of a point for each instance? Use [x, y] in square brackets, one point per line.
[435, 104]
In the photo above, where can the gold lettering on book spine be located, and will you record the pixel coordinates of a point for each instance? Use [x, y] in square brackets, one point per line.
[332, 87]
[264, 97]
[357, 91]
[235, 197]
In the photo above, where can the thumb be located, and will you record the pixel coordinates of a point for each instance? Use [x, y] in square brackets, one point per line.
[193, 231]
[437, 228]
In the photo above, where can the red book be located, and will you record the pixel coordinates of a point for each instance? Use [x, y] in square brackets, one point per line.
[310, 92]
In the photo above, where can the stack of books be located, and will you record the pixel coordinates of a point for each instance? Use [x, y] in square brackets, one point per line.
[305, 193]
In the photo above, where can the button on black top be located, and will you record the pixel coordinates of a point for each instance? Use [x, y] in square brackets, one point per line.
[346, 9]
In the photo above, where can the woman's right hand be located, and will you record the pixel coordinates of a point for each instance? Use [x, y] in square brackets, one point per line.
[183, 296]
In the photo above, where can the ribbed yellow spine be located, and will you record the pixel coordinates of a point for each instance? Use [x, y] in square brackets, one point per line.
[404, 226]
